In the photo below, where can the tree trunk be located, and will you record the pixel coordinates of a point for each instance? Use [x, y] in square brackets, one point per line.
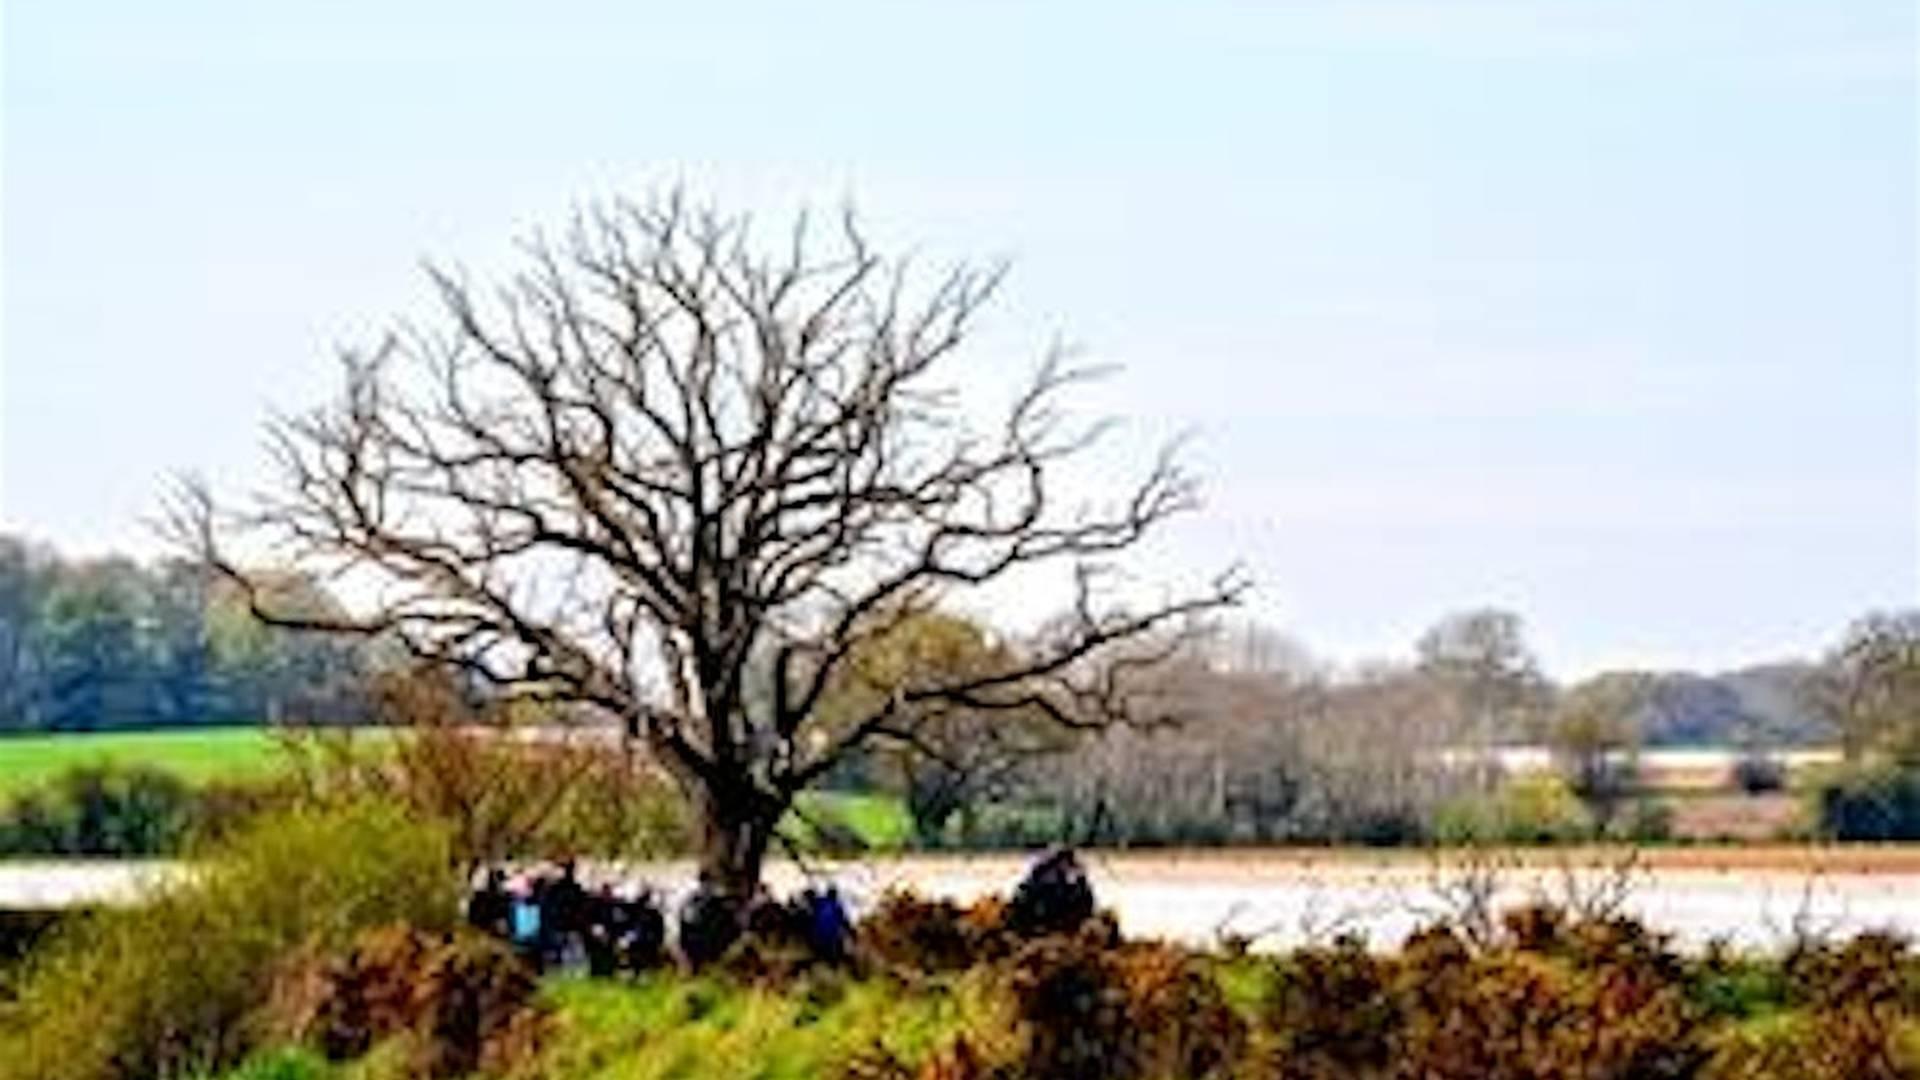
[735, 831]
[931, 803]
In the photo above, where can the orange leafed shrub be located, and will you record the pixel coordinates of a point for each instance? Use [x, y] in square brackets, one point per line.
[460, 1001]
[1093, 1007]
[907, 933]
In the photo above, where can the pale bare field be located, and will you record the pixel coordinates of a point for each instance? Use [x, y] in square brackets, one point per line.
[1255, 862]
[1757, 896]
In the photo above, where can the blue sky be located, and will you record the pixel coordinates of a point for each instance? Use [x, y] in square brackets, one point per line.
[1604, 312]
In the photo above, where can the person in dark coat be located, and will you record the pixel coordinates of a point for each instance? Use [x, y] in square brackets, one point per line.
[490, 908]
[645, 939]
[769, 920]
[829, 931]
[709, 925]
[603, 919]
[564, 906]
[1054, 897]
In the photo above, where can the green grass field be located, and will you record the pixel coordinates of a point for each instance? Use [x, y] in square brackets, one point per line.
[197, 756]
[206, 755]
[880, 821]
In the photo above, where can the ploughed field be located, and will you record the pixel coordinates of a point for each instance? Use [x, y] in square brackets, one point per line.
[1757, 897]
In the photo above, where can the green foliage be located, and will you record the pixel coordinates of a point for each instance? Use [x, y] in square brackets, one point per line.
[1538, 808]
[170, 985]
[100, 811]
[1016, 826]
[1649, 821]
[285, 1063]
[960, 758]
[109, 643]
[120, 811]
[1872, 803]
[1732, 986]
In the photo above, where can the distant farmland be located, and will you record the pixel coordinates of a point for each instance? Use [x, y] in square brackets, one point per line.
[198, 756]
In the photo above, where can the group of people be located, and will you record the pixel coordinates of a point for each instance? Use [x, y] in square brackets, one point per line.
[815, 921]
[555, 921]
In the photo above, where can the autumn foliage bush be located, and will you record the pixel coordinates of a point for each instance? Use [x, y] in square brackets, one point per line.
[1093, 1006]
[910, 934]
[1542, 994]
[1548, 998]
[455, 1001]
[1086, 1005]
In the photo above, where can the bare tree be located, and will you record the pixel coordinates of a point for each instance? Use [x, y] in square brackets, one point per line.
[1374, 753]
[1483, 658]
[661, 451]
[1867, 687]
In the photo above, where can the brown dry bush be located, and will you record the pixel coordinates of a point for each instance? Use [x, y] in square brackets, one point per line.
[1097, 1008]
[1088, 1004]
[1871, 969]
[459, 1001]
[1511, 1012]
[908, 934]
[1547, 998]
[1331, 1013]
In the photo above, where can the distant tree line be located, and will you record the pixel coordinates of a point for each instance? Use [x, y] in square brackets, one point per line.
[1241, 736]
[97, 644]
[1244, 738]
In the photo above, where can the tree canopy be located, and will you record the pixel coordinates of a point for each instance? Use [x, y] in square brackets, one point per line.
[664, 450]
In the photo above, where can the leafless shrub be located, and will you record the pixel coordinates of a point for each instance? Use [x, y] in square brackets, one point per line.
[1464, 888]
[508, 779]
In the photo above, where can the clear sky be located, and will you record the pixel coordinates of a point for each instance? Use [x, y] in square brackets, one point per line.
[1604, 312]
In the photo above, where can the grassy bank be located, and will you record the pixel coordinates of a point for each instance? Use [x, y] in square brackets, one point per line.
[1309, 1016]
[671, 1027]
